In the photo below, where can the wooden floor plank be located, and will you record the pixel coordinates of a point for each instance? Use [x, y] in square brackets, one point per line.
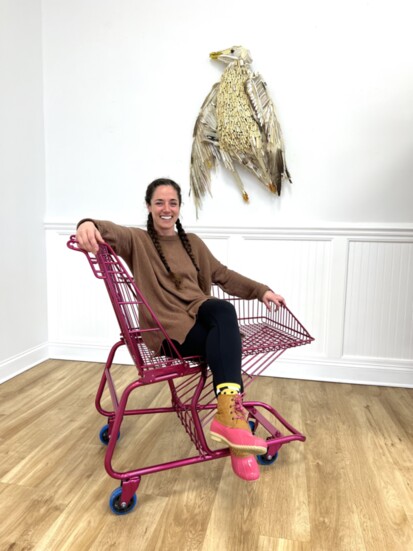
[279, 544]
[26, 514]
[377, 490]
[334, 524]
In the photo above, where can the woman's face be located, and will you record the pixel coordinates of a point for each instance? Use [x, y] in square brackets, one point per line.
[165, 209]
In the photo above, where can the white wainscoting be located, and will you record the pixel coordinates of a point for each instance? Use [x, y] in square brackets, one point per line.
[351, 287]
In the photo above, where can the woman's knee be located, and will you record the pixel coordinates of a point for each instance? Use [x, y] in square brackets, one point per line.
[219, 308]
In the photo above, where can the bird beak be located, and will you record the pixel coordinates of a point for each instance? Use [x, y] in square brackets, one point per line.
[215, 55]
[226, 56]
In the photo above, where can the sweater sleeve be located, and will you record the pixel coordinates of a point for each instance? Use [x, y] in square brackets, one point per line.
[118, 237]
[230, 281]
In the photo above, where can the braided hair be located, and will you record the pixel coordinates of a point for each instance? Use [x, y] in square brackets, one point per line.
[177, 279]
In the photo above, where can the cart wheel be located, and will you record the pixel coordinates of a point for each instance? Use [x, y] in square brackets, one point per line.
[116, 505]
[266, 459]
[252, 426]
[263, 459]
[104, 435]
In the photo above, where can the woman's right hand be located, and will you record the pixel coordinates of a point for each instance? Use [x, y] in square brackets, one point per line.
[89, 237]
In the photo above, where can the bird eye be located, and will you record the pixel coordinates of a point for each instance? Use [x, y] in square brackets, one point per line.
[232, 51]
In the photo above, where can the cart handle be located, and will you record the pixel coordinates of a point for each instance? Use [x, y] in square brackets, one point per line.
[73, 244]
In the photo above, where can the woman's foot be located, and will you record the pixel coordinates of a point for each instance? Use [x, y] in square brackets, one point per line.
[230, 426]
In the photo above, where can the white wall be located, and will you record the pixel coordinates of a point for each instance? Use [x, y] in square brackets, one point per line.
[23, 311]
[124, 81]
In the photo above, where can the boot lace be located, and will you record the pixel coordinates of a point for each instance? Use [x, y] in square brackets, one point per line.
[239, 411]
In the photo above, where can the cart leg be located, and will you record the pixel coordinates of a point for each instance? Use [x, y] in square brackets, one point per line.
[129, 488]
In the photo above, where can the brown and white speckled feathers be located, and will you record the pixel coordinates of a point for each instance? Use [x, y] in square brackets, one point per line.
[237, 124]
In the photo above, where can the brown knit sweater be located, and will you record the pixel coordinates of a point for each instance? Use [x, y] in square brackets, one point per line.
[175, 308]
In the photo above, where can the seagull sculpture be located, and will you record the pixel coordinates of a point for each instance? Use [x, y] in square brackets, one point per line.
[237, 124]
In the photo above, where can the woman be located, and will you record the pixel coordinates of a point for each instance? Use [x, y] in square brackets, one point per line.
[174, 271]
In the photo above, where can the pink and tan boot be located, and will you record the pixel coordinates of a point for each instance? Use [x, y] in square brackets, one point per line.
[230, 426]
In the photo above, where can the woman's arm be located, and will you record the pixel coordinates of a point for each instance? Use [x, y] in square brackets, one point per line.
[235, 283]
[92, 232]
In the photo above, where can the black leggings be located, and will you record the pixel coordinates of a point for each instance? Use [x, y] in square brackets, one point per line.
[216, 336]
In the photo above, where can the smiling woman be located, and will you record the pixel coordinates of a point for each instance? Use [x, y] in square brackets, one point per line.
[175, 270]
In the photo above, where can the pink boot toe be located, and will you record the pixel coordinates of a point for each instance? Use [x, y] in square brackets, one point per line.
[238, 438]
[245, 466]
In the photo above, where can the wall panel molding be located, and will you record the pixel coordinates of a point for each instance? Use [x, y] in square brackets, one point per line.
[386, 231]
[322, 270]
[379, 313]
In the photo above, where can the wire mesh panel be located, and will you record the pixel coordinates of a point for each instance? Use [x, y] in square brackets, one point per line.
[265, 334]
[263, 329]
[138, 323]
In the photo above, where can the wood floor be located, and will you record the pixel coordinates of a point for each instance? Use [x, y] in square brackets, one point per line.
[349, 487]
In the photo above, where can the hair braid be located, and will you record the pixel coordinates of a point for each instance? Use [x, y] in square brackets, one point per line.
[154, 236]
[187, 246]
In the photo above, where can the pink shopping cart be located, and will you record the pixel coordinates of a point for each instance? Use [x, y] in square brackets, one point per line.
[265, 336]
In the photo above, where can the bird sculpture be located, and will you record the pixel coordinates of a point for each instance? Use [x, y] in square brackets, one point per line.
[237, 123]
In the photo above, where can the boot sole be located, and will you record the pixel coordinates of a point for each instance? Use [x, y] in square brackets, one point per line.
[250, 450]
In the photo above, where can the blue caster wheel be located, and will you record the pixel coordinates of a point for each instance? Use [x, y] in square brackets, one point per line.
[104, 435]
[252, 426]
[264, 459]
[267, 459]
[117, 506]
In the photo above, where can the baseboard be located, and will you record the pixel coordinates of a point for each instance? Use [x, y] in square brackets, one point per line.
[87, 353]
[22, 362]
[354, 371]
[348, 370]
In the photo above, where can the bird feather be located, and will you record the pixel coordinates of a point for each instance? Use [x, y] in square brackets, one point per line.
[205, 150]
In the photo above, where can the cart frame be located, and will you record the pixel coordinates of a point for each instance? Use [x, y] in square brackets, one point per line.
[265, 336]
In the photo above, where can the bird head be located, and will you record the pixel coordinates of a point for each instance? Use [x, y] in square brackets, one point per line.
[232, 54]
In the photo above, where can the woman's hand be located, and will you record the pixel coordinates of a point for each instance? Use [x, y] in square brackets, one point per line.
[270, 297]
[89, 237]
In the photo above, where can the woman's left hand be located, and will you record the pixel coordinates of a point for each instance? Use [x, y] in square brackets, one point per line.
[270, 297]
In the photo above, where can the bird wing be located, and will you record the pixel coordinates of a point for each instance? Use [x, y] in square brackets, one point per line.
[205, 148]
[266, 118]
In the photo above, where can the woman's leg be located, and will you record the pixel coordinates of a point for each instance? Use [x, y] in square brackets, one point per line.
[216, 336]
